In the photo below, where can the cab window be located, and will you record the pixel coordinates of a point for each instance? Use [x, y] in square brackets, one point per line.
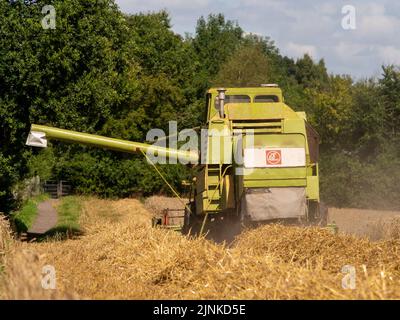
[266, 99]
[237, 99]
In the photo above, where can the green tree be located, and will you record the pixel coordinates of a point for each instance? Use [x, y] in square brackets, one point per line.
[390, 92]
[367, 122]
[215, 40]
[169, 67]
[74, 76]
[248, 66]
[330, 110]
[310, 74]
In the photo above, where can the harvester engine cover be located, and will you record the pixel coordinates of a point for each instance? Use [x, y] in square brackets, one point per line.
[260, 204]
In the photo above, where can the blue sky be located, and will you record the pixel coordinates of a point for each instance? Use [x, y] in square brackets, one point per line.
[302, 26]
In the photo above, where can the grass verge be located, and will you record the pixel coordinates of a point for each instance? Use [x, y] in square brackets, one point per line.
[24, 218]
[69, 211]
[5, 242]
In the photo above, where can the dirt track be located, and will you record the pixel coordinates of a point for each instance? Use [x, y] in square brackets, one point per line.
[46, 218]
[374, 224]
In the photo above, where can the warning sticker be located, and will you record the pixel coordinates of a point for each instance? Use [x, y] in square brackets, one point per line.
[274, 157]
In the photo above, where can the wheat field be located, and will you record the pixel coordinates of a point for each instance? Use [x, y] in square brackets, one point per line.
[120, 256]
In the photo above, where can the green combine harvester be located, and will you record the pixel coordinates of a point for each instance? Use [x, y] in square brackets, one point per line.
[258, 163]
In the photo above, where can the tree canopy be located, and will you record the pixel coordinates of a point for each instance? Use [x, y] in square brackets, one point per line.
[248, 66]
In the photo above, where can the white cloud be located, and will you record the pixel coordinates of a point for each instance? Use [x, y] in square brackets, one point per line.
[346, 51]
[298, 50]
[389, 54]
[246, 33]
[328, 8]
[378, 25]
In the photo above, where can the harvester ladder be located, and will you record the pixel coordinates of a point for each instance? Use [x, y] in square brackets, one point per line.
[218, 188]
[214, 186]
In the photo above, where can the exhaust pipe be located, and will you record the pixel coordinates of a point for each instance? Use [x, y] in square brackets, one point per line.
[221, 101]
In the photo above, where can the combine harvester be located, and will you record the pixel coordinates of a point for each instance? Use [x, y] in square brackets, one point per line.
[259, 162]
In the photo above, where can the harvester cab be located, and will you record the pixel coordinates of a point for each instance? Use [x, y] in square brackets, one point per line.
[259, 161]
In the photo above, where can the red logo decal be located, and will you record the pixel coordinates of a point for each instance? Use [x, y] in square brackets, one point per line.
[274, 157]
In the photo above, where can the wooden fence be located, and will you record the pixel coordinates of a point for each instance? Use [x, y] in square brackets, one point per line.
[57, 189]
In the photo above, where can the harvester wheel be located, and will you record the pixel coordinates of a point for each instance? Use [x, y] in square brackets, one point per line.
[323, 213]
[318, 214]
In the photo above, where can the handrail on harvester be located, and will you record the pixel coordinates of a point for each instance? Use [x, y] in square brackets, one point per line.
[39, 133]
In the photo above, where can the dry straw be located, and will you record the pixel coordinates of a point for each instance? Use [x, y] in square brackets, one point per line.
[5, 240]
[121, 256]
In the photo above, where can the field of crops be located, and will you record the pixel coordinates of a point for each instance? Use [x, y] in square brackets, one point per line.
[121, 256]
